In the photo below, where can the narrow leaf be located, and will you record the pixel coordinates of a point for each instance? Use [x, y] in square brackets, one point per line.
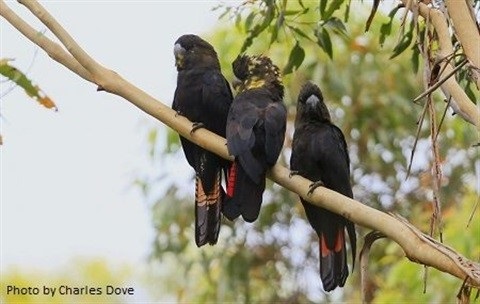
[334, 5]
[277, 27]
[336, 25]
[33, 91]
[292, 12]
[372, 14]
[297, 55]
[300, 32]
[347, 11]
[386, 28]
[322, 6]
[46, 102]
[402, 45]
[258, 29]
[324, 41]
[249, 20]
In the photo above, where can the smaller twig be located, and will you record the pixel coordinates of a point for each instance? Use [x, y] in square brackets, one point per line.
[448, 58]
[442, 119]
[463, 295]
[437, 178]
[417, 136]
[408, 7]
[425, 278]
[441, 81]
[473, 212]
[402, 24]
[369, 239]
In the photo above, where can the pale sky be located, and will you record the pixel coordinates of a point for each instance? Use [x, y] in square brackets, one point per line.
[66, 177]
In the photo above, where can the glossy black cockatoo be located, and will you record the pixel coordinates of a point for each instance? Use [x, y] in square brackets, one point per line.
[203, 95]
[319, 153]
[255, 133]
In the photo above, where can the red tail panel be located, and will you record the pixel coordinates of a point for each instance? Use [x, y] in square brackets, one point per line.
[338, 246]
[207, 212]
[232, 178]
[324, 251]
[339, 241]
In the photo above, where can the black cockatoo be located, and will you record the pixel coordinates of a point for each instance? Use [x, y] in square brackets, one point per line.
[203, 95]
[255, 133]
[319, 153]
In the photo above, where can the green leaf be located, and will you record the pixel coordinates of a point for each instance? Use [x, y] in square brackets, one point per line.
[33, 91]
[372, 14]
[347, 11]
[336, 25]
[238, 20]
[322, 6]
[292, 12]
[470, 91]
[300, 32]
[258, 28]
[277, 27]
[403, 44]
[386, 28]
[246, 44]
[297, 55]
[324, 41]
[334, 5]
[18, 77]
[249, 20]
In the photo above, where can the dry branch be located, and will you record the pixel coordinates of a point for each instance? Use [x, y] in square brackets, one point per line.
[417, 248]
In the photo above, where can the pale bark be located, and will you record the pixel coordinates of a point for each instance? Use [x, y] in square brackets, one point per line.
[460, 102]
[418, 247]
[467, 32]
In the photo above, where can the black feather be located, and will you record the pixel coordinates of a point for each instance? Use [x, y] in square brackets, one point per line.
[256, 126]
[203, 95]
[319, 153]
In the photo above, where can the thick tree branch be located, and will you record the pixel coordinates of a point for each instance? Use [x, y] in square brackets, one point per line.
[461, 103]
[419, 249]
[53, 49]
[466, 30]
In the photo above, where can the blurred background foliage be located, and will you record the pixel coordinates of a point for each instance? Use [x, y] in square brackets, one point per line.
[369, 82]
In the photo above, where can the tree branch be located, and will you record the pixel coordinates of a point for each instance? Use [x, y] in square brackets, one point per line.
[466, 31]
[419, 249]
[461, 103]
[54, 50]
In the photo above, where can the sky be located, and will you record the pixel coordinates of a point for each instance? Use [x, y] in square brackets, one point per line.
[66, 177]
